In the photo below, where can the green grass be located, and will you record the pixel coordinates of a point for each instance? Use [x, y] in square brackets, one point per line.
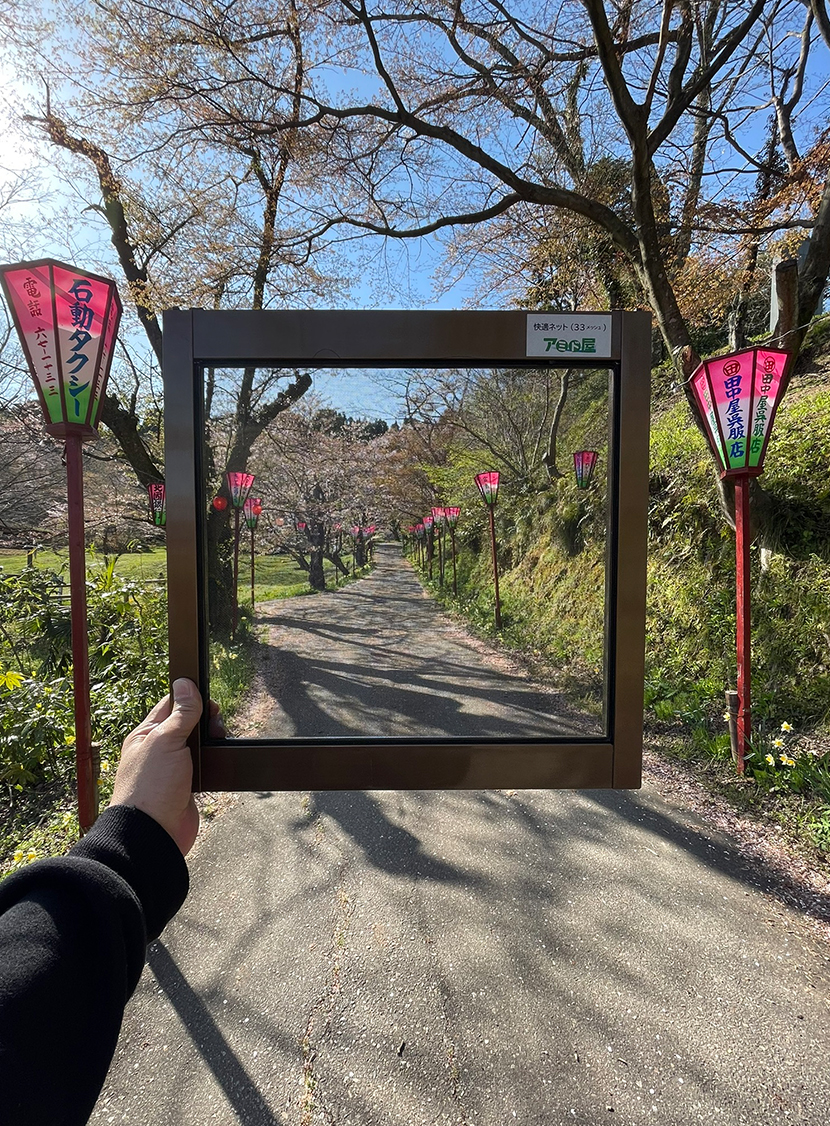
[278, 576]
[142, 566]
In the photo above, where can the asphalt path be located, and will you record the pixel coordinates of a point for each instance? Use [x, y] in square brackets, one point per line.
[497, 957]
[379, 657]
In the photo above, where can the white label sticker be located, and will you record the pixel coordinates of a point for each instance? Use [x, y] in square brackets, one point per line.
[558, 335]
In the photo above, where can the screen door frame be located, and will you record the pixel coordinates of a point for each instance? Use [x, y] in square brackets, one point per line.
[195, 339]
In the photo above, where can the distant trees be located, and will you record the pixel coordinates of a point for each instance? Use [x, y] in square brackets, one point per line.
[624, 154]
[317, 481]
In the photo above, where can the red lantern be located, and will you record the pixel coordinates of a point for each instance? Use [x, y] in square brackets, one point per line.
[239, 485]
[220, 503]
[488, 486]
[584, 463]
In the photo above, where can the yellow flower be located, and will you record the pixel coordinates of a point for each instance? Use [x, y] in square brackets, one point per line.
[31, 854]
[787, 761]
[778, 742]
[100, 781]
[726, 717]
[786, 726]
[105, 765]
[770, 759]
[18, 856]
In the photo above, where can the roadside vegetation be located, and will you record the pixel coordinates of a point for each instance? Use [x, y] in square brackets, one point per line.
[551, 546]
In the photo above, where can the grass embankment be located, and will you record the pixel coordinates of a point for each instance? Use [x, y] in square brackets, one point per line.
[552, 584]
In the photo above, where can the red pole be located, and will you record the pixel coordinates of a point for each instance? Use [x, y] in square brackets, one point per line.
[495, 565]
[252, 571]
[86, 781]
[743, 617]
[454, 574]
[235, 568]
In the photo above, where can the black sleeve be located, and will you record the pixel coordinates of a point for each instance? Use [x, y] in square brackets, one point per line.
[73, 936]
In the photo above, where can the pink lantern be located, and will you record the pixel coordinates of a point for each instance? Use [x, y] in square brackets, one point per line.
[158, 504]
[252, 510]
[738, 396]
[584, 464]
[67, 320]
[239, 485]
[488, 486]
[428, 523]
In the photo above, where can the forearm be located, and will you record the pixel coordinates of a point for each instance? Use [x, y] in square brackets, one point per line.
[73, 936]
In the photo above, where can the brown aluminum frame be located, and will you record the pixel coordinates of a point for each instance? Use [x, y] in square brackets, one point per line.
[195, 338]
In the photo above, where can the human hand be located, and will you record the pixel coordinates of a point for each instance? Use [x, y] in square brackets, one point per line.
[156, 772]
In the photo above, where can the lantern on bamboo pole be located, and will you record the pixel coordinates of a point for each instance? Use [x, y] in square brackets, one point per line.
[452, 515]
[158, 503]
[239, 486]
[252, 510]
[738, 396]
[488, 488]
[67, 321]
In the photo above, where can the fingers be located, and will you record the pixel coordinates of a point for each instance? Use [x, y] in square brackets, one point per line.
[159, 712]
[187, 707]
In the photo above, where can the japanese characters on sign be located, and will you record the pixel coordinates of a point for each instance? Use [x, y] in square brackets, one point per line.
[158, 503]
[67, 321]
[556, 334]
[738, 396]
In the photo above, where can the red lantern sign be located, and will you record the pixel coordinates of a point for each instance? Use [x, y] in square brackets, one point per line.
[488, 486]
[158, 504]
[67, 320]
[239, 485]
[220, 503]
[738, 396]
[584, 464]
[252, 510]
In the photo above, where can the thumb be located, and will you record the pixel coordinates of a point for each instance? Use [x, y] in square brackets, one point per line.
[187, 707]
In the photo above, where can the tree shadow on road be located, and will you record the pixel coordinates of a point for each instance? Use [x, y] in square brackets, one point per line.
[239, 1088]
[385, 845]
[714, 850]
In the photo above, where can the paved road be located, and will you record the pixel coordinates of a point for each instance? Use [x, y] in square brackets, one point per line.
[483, 958]
[380, 658]
[480, 958]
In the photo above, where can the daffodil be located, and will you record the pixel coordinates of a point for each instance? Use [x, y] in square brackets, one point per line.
[105, 765]
[778, 742]
[726, 717]
[770, 759]
[786, 726]
[787, 761]
[18, 856]
[100, 781]
[31, 854]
